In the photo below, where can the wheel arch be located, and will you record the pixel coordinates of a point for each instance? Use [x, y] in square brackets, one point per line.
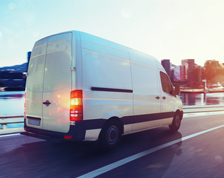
[118, 120]
[106, 140]
[179, 112]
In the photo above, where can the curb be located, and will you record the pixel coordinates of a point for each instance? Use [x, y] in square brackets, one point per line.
[203, 106]
[187, 112]
[199, 109]
[11, 131]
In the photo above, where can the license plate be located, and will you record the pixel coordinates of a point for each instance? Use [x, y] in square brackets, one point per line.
[34, 122]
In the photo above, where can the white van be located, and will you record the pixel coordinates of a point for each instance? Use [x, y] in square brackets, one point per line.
[82, 87]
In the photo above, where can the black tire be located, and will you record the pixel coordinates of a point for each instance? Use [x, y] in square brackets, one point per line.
[110, 135]
[176, 122]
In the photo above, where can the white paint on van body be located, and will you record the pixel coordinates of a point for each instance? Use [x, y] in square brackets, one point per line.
[107, 65]
[79, 61]
[52, 56]
[145, 87]
[92, 135]
[34, 82]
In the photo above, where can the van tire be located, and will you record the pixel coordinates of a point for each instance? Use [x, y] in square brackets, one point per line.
[110, 135]
[176, 122]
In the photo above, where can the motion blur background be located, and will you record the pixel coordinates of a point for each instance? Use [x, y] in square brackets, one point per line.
[186, 36]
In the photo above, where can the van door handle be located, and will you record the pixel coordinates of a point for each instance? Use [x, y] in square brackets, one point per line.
[157, 97]
[164, 97]
[47, 102]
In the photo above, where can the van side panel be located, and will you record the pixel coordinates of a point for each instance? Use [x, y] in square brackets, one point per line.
[107, 84]
[145, 90]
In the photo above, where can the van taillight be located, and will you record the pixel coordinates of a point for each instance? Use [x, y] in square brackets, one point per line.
[67, 137]
[76, 106]
[25, 105]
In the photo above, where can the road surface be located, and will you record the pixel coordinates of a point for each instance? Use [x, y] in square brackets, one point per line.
[155, 153]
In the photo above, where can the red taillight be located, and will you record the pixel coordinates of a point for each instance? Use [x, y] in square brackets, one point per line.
[76, 106]
[25, 105]
[67, 137]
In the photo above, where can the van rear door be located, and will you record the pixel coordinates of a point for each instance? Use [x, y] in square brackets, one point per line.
[34, 84]
[57, 84]
[49, 84]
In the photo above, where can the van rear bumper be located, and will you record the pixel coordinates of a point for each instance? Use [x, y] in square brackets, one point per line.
[77, 132]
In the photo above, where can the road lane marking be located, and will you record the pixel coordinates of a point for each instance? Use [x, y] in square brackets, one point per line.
[121, 162]
[9, 135]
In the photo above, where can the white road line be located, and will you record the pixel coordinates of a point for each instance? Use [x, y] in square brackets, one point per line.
[8, 135]
[116, 164]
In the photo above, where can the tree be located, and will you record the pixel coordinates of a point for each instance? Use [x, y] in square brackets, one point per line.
[213, 71]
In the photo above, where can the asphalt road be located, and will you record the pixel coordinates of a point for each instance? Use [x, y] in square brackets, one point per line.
[195, 156]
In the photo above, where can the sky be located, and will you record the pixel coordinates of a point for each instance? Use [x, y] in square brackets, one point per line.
[165, 29]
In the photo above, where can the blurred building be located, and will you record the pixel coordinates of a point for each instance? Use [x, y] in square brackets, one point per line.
[166, 65]
[198, 73]
[181, 73]
[188, 70]
[177, 74]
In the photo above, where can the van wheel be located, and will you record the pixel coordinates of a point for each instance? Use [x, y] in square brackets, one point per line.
[110, 135]
[176, 123]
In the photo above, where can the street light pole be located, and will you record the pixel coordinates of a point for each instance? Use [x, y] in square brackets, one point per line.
[204, 89]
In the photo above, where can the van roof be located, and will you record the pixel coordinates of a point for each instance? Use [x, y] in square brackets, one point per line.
[84, 33]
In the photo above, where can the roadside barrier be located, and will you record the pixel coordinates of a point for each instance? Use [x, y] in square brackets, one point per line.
[203, 108]
[14, 119]
[10, 119]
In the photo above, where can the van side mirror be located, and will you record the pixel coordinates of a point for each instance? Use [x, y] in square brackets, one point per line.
[177, 88]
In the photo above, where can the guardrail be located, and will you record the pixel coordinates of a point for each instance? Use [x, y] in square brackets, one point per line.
[14, 119]
[203, 108]
[10, 119]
